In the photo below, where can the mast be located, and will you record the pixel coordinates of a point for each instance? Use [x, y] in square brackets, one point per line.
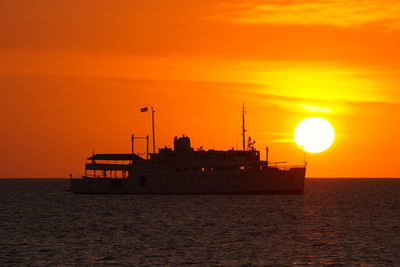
[243, 130]
[145, 109]
[132, 144]
[147, 146]
[152, 124]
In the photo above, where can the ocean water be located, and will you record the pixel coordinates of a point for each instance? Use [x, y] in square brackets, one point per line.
[336, 222]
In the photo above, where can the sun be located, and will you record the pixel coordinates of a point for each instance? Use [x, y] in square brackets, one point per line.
[314, 134]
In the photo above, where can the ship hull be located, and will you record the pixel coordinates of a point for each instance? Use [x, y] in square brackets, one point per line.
[266, 181]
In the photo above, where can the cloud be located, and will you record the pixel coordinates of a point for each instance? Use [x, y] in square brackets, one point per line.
[301, 86]
[317, 87]
[277, 137]
[340, 13]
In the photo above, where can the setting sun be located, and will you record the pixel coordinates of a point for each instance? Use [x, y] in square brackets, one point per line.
[314, 134]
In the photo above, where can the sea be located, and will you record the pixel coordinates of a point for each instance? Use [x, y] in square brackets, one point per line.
[337, 222]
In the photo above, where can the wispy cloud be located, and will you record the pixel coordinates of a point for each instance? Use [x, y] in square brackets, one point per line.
[277, 137]
[341, 13]
[317, 87]
[301, 86]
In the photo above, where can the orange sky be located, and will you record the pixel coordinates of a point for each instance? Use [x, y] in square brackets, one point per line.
[73, 76]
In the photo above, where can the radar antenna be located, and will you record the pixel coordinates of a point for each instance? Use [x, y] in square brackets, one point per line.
[243, 129]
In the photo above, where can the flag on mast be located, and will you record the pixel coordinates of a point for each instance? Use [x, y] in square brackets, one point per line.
[144, 109]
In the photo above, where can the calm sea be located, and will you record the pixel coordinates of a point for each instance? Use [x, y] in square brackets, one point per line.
[336, 222]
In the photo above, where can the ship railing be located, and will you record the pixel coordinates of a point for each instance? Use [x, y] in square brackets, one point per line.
[101, 176]
[108, 171]
[108, 166]
[283, 165]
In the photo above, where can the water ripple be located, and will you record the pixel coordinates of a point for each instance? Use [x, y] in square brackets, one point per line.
[336, 222]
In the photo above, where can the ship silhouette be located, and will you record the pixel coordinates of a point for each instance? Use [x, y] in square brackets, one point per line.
[183, 170]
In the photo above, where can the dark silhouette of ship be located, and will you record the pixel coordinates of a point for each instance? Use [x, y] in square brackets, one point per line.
[183, 170]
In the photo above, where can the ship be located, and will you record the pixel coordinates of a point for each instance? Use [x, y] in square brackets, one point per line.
[184, 170]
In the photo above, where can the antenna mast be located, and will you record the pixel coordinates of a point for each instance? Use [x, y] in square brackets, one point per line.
[152, 126]
[243, 130]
